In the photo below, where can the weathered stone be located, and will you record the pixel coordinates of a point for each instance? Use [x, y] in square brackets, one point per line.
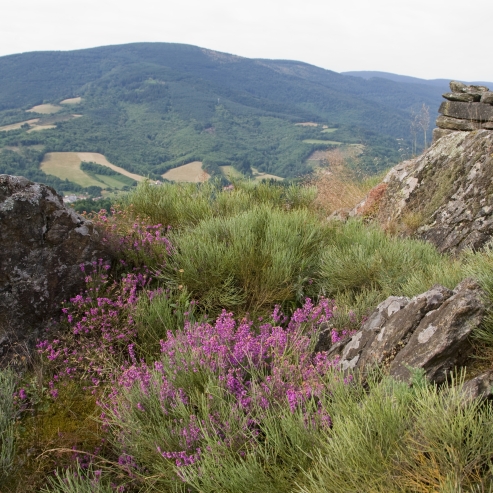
[43, 244]
[438, 133]
[448, 123]
[467, 111]
[487, 98]
[440, 343]
[430, 331]
[480, 387]
[448, 188]
[472, 89]
[456, 86]
[487, 125]
[461, 96]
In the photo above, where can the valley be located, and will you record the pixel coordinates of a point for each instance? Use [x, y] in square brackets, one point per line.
[152, 108]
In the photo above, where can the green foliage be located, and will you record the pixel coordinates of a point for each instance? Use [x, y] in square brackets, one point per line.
[362, 262]
[184, 205]
[78, 480]
[8, 413]
[166, 311]
[479, 265]
[389, 437]
[149, 107]
[248, 262]
[90, 205]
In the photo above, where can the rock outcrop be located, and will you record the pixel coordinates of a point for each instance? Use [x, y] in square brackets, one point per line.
[430, 331]
[467, 108]
[42, 244]
[444, 196]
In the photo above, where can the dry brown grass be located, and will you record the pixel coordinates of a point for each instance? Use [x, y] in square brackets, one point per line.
[337, 187]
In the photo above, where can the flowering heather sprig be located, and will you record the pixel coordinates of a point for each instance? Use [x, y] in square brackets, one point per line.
[257, 369]
[101, 322]
[132, 239]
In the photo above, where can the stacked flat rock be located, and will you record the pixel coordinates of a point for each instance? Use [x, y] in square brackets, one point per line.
[467, 108]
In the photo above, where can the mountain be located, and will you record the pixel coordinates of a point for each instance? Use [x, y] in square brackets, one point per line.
[443, 84]
[150, 107]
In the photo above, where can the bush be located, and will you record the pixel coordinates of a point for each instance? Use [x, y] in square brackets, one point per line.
[248, 262]
[230, 406]
[362, 262]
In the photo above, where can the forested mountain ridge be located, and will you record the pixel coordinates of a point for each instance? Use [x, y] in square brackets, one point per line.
[149, 107]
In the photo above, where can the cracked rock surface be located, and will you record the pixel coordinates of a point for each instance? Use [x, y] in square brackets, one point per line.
[42, 245]
[444, 196]
[430, 331]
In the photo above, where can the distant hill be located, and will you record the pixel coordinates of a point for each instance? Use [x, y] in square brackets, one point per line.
[443, 84]
[150, 107]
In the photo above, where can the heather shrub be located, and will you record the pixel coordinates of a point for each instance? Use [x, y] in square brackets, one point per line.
[250, 261]
[208, 412]
[96, 328]
[132, 239]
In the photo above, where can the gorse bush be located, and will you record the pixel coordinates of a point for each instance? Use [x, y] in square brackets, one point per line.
[362, 260]
[187, 204]
[250, 261]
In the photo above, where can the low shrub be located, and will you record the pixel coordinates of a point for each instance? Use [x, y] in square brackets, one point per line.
[229, 405]
[248, 262]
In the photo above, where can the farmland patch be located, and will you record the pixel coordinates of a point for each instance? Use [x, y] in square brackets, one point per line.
[191, 172]
[66, 166]
[16, 126]
[317, 141]
[37, 128]
[71, 101]
[307, 124]
[94, 157]
[45, 109]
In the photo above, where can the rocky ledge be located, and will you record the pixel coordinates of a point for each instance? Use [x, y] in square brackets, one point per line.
[445, 195]
[42, 244]
[466, 108]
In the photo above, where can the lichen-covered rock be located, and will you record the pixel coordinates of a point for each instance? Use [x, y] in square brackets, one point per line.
[430, 331]
[480, 387]
[447, 192]
[449, 123]
[461, 96]
[468, 111]
[42, 245]
[487, 97]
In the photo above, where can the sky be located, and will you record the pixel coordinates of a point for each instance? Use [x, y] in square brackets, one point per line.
[429, 39]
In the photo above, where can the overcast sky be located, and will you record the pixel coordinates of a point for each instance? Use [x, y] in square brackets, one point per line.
[422, 38]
